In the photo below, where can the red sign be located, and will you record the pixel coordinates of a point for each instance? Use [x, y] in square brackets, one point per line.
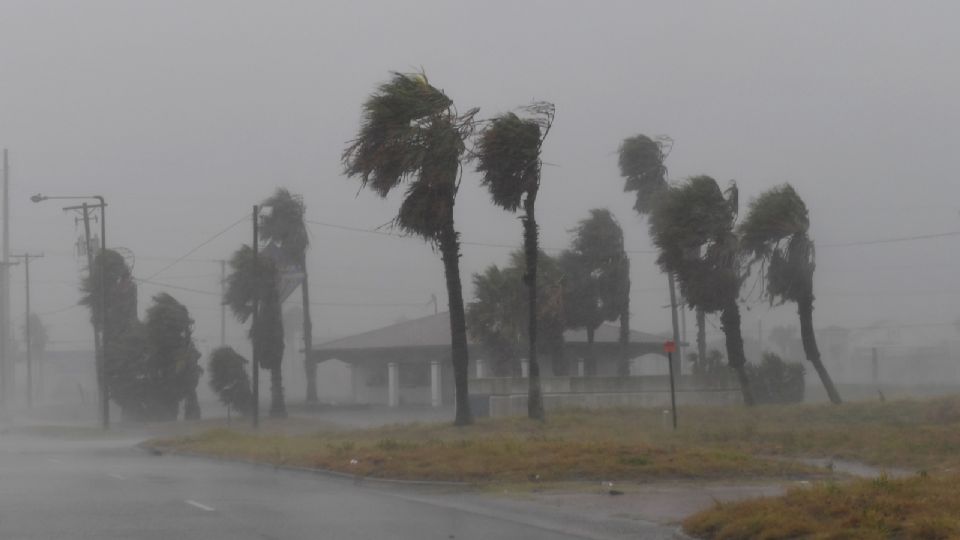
[669, 347]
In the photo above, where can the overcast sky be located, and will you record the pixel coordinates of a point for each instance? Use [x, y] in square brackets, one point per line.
[183, 114]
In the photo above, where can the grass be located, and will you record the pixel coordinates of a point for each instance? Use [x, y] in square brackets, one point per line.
[918, 507]
[618, 444]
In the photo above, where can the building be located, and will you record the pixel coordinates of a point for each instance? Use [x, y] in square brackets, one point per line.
[408, 363]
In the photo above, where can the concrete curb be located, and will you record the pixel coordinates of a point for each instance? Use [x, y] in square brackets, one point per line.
[356, 479]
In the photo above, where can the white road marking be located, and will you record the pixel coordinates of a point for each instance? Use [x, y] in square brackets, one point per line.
[56, 461]
[198, 505]
[117, 476]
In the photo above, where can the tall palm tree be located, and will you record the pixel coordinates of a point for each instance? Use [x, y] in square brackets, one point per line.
[508, 157]
[253, 282]
[641, 161]
[412, 134]
[692, 226]
[776, 232]
[285, 226]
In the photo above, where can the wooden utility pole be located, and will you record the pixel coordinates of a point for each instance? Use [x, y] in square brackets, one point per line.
[256, 308]
[6, 363]
[26, 325]
[223, 307]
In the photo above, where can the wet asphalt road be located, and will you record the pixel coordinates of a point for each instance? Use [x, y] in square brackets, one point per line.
[109, 489]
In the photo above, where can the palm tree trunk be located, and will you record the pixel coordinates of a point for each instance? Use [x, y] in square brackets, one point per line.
[591, 367]
[730, 319]
[278, 407]
[191, 406]
[671, 282]
[623, 367]
[534, 394]
[702, 335]
[809, 339]
[309, 365]
[450, 253]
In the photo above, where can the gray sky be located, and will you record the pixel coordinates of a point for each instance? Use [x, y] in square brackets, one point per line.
[184, 114]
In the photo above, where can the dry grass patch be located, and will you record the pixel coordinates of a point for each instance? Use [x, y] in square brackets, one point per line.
[919, 507]
[485, 459]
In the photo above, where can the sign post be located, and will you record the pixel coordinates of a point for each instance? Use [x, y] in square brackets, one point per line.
[670, 347]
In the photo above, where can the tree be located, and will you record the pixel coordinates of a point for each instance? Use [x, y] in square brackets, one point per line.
[596, 277]
[285, 226]
[229, 379]
[692, 226]
[38, 333]
[253, 282]
[508, 157]
[412, 134]
[641, 161]
[776, 232]
[497, 318]
[124, 343]
[172, 370]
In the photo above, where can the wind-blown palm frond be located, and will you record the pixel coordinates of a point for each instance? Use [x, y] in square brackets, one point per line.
[508, 157]
[641, 161]
[284, 224]
[391, 142]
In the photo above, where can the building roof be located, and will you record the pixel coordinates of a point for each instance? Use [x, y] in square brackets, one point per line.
[434, 331]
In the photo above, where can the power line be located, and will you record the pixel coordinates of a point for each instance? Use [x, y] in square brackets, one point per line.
[892, 240]
[200, 245]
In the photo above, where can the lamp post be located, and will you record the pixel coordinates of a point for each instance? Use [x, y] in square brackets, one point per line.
[102, 342]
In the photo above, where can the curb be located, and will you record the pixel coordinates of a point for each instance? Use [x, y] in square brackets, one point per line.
[355, 478]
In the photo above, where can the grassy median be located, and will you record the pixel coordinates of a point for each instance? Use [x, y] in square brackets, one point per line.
[618, 444]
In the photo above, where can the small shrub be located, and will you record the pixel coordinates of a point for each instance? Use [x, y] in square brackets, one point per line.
[777, 381]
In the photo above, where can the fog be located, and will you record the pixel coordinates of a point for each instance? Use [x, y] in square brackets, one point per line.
[184, 114]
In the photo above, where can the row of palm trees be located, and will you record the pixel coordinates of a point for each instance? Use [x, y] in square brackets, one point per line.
[411, 134]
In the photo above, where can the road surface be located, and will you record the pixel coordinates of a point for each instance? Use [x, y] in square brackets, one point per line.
[99, 489]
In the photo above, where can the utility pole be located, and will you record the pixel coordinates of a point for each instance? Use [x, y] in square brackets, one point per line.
[675, 365]
[223, 307]
[256, 308]
[26, 325]
[6, 364]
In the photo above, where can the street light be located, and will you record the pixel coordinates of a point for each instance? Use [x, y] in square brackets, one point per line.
[101, 342]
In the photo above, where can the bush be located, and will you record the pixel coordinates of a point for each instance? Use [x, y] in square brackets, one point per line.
[229, 379]
[776, 381]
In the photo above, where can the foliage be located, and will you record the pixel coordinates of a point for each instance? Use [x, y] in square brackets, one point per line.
[411, 132]
[641, 161]
[497, 318]
[121, 293]
[284, 224]
[776, 381]
[254, 281]
[173, 371]
[775, 232]
[596, 272]
[229, 379]
[508, 157]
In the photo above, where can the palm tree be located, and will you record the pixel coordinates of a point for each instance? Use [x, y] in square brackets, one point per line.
[412, 134]
[285, 226]
[641, 161]
[597, 279]
[776, 232]
[508, 157]
[692, 226]
[253, 282]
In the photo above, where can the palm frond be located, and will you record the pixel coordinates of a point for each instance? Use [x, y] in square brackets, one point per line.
[284, 224]
[508, 157]
[641, 161]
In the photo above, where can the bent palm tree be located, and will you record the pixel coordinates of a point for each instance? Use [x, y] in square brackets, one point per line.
[286, 227]
[692, 226]
[508, 156]
[411, 133]
[641, 162]
[253, 283]
[776, 232]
